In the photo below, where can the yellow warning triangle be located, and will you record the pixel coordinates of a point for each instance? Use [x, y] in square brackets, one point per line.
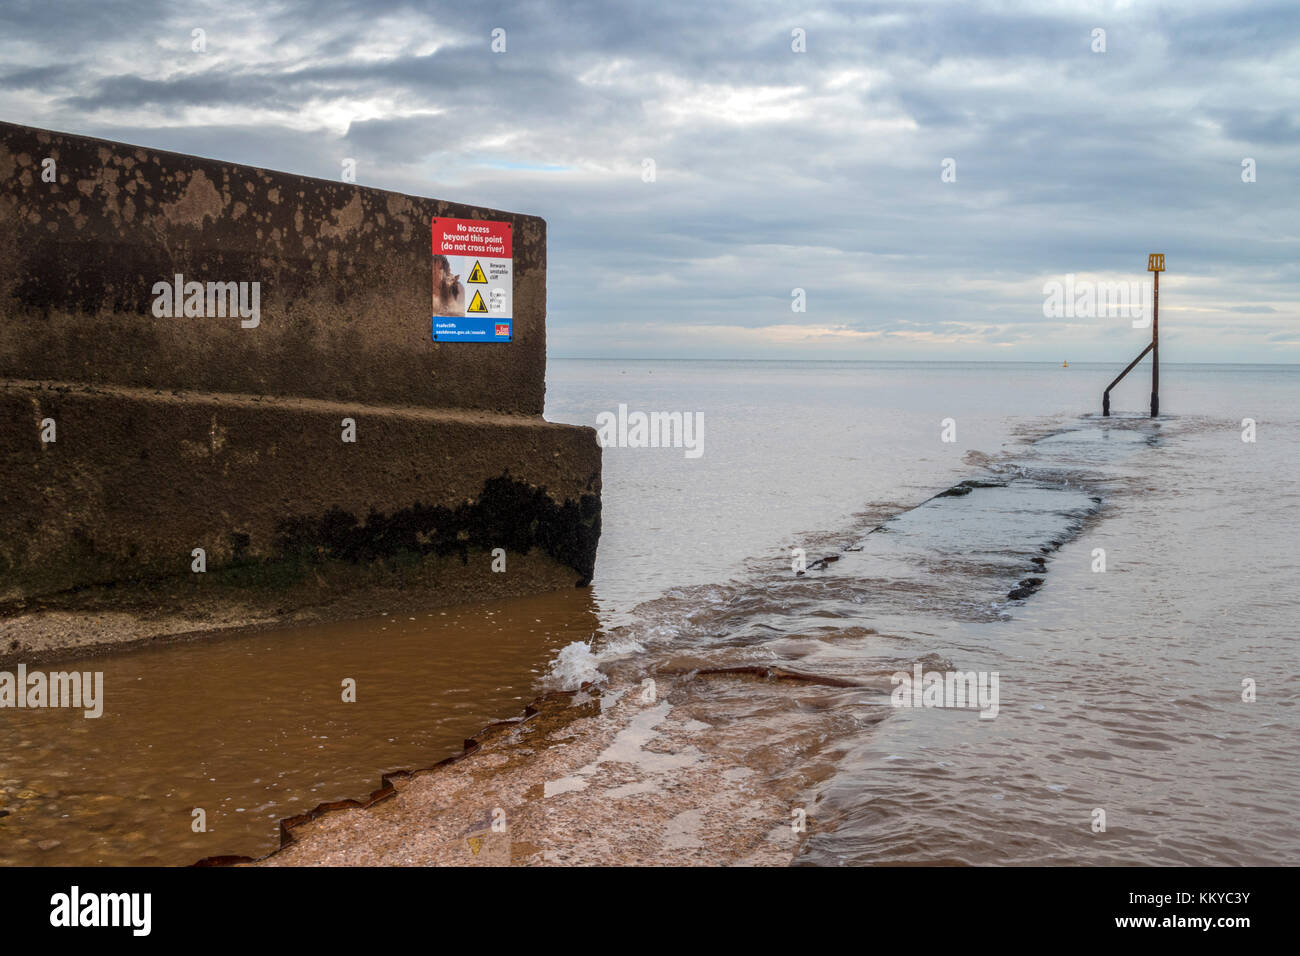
[476, 274]
[476, 303]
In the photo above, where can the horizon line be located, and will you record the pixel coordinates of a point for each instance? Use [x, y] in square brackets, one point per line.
[620, 358]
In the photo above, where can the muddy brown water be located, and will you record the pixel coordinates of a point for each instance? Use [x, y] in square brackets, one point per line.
[1120, 691]
[252, 729]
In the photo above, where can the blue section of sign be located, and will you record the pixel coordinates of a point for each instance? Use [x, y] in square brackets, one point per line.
[454, 329]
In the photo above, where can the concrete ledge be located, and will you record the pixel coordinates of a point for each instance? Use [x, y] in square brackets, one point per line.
[136, 480]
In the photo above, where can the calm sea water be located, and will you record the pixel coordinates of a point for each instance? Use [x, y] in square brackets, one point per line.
[1120, 691]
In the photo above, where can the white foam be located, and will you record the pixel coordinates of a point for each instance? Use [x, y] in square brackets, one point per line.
[574, 666]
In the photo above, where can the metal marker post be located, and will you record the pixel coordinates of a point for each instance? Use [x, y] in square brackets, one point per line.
[1156, 265]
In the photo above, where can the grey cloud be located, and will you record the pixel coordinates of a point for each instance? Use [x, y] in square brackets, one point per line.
[1068, 161]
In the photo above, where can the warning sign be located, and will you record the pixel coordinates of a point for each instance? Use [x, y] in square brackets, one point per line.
[473, 252]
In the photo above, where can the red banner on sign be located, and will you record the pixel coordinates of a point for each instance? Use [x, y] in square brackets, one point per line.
[472, 237]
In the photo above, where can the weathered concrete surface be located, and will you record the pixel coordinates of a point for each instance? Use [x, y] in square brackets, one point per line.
[183, 433]
[345, 274]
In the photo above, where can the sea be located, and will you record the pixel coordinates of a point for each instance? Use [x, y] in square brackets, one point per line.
[1117, 596]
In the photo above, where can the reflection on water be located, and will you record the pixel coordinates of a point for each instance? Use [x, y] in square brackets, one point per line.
[1120, 691]
[252, 729]
[1124, 738]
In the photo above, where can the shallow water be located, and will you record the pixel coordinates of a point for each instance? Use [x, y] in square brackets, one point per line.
[1119, 690]
[252, 729]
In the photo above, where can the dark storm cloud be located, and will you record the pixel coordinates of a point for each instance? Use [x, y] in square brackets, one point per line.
[774, 170]
[1273, 127]
[37, 78]
[205, 90]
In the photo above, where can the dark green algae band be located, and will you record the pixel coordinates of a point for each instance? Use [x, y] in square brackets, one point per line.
[507, 514]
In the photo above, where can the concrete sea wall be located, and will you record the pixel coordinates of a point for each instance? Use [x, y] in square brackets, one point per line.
[324, 450]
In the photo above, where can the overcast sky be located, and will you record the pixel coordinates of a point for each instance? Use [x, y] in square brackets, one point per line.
[774, 169]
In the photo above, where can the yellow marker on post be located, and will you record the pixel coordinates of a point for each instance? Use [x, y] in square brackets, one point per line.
[1155, 265]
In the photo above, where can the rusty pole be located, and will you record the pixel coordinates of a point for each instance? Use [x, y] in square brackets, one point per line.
[1155, 346]
[1105, 396]
[1155, 265]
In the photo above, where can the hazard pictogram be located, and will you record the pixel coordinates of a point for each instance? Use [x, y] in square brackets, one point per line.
[476, 275]
[476, 304]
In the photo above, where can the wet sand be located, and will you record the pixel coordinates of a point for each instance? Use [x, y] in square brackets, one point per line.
[106, 620]
[591, 779]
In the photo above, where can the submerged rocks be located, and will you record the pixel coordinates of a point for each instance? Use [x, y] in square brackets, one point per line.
[956, 491]
[969, 485]
[820, 564]
[1025, 588]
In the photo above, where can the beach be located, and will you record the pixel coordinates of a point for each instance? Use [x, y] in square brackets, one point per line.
[709, 700]
[589, 780]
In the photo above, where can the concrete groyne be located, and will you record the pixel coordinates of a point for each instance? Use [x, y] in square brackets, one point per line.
[179, 461]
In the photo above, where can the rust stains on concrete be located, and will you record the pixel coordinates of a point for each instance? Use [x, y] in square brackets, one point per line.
[199, 202]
